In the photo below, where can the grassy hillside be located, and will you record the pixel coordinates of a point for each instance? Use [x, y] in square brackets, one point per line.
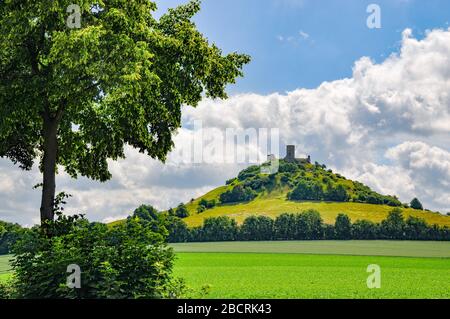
[296, 187]
[327, 192]
[272, 207]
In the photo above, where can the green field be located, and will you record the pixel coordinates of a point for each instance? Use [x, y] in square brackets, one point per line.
[325, 247]
[283, 270]
[315, 269]
[5, 267]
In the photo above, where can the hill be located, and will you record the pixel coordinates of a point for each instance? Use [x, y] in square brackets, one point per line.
[298, 186]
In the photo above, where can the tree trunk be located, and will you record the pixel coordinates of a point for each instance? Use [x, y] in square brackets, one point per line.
[49, 168]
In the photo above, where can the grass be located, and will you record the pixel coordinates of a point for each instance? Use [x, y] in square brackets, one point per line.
[273, 207]
[315, 269]
[352, 247]
[247, 275]
[5, 269]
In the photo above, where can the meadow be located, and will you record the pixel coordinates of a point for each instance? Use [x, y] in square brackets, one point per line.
[314, 269]
[275, 206]
[335, 270]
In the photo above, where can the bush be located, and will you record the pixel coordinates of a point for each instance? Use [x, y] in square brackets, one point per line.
[393, 226]
[9, 235]
[284, 227]
[181, 211]
[178, 230]
[329, 232]
[306, 190]
[127, 261]
[343, 227]
[337, 194]
[364, 229]
[256, 228]
[416, 204]
[309, 225]
[207, 204]
[200, 209]
[237, 194]
[219, 229]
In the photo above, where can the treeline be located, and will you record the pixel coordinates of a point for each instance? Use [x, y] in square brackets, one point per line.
[9, 234]
[307, 226]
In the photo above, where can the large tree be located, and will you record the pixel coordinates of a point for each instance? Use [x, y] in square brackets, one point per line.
[74, 97]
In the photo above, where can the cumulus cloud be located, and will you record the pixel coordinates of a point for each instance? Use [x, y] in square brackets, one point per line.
[387, 126]
[428, 167]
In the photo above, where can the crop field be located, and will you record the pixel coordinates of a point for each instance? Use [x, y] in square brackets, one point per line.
[315, 269]
[338, 273]
[325, 247]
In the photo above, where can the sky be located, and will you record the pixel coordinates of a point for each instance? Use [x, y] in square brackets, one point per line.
[372, 104]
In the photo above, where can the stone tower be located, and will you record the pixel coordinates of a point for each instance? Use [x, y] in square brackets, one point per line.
[290, 153]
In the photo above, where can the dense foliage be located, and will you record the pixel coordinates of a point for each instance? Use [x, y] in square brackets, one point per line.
[205, 204]
[308, 225]
[9, 235]
[416, 204]
[74, 96]
[237, 194]
[130, 260]
[304, 181]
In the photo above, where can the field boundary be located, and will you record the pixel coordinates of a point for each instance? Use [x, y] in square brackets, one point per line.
[414, 249]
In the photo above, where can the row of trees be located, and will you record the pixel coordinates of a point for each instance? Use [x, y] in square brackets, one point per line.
[307, 226]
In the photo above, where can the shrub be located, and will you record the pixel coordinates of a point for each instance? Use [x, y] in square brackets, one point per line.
[306, 190]
[256, 228]
[309, 225]
[181, 211]
[284, 227]
[393, 226]
[364, 229]
[200, 209]
[220, 228]
[207, 204]
[238, 194]
[329, 232]
[343, 227]
[127, 261]
[178, 230]
[337, 194]
[416, 204]
[9, 235]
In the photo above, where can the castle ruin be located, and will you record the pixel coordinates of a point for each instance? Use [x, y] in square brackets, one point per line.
[290, 156]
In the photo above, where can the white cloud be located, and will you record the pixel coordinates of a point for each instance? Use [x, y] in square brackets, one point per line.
[387, 126]
[303, 34]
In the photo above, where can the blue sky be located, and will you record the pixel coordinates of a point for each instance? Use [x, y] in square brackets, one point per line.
[335, 35]
[383, 121]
